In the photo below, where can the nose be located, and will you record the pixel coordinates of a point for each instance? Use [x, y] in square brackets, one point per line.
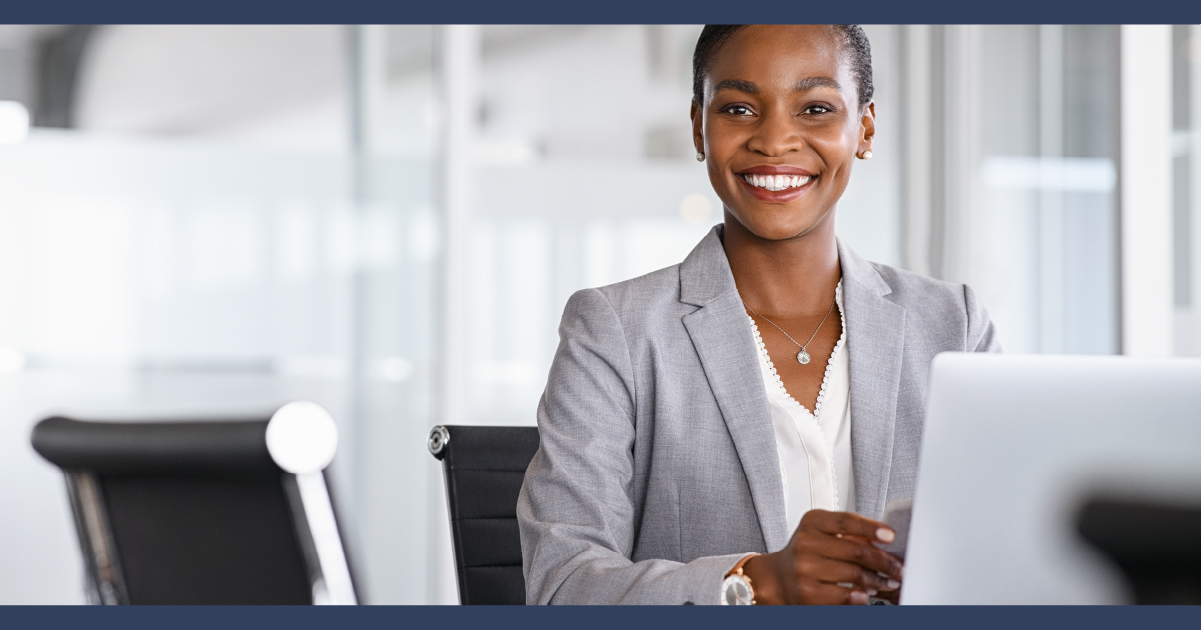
[775, 134]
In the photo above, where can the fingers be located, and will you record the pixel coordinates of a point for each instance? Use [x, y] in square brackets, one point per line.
[822, 593]
[846, 573]
[835, 560]
[862, 555]
[893, 597]
[848, 524]
[839, 535]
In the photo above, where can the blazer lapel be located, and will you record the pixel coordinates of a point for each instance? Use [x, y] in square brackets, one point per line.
[875, 340]
[722, 337]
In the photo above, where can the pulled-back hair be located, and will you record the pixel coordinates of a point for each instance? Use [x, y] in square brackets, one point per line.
[851, 39]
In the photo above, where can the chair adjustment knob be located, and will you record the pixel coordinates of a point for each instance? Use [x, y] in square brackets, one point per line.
[439, 438]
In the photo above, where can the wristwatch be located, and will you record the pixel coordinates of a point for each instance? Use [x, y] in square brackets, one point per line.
[736, 590]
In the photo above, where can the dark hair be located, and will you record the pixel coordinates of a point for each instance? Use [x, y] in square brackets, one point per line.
[850, 36]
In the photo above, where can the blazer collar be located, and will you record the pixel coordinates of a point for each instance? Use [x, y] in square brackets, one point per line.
[721, 334]
[875, 340]
[855, 268]
[722, 337]
[705, 274]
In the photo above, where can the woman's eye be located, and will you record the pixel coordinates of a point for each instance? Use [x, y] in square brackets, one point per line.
[738, 110]
[816, 109]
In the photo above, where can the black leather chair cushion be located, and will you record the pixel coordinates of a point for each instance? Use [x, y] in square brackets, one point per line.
[198, 512]
[484, 469]
[206, 539]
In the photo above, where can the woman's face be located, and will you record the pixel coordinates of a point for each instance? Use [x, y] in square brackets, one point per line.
[780, 127]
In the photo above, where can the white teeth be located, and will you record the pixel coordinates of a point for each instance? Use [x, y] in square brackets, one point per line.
[777, 182]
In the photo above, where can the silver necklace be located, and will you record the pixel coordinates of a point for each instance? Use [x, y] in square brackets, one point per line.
[802, 357]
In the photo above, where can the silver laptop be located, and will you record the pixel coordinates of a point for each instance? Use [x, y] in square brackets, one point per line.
[1014, 444]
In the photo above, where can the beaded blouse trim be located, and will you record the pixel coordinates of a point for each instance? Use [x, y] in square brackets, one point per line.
[821, 394]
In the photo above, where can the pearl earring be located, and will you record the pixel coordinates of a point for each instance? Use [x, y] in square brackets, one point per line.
[866, 155]
[700, 157]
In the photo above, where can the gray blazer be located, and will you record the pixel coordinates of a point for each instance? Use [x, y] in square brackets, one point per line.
[657, 469]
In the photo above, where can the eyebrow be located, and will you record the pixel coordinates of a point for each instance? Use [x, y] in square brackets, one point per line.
[804, 85]
[736, 84]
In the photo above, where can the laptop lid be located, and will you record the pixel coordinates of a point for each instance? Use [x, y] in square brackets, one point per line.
[1015, 445]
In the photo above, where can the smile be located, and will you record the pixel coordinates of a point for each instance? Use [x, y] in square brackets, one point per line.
[776, 183]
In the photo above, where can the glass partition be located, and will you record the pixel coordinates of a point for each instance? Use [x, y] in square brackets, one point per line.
[143, 277]
[1028, 191]
[1186, 188]
[245, 215]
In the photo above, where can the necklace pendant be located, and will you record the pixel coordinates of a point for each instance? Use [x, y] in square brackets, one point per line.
[802, 357]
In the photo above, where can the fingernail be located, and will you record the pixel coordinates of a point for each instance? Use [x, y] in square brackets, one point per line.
[872, 592]
[858, 597]
[882, 574]
[885, 534]
[894, 585]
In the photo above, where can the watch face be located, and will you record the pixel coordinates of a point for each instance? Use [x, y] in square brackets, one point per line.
[736, 592]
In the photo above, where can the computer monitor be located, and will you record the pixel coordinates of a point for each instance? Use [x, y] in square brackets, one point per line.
[1015, 446]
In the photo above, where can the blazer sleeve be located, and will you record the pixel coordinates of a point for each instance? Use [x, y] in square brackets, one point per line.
[577, 511]
[981, 334]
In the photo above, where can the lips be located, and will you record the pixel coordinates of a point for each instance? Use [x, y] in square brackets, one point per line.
[776, 183]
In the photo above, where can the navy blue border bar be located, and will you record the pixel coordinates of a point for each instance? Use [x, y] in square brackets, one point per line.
[599, 11]
[599, 618]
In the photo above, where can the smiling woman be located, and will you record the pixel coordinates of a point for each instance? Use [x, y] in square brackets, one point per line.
[700, 442]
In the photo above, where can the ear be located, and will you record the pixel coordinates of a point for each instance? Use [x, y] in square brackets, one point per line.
[867, 128]
[698, 128]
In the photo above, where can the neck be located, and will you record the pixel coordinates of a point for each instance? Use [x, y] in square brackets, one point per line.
[793, 277]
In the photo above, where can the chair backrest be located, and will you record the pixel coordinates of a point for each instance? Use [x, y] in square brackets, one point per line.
[198, 512]
[484, 469]
[1156, 545]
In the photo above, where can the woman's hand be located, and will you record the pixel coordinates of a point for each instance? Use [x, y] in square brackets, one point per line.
[828, 549]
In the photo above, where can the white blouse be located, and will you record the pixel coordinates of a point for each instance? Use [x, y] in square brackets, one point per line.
[814, 448]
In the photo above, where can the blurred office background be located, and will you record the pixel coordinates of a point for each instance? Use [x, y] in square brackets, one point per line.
[387, 220]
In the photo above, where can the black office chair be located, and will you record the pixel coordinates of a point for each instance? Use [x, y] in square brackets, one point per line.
[204, 512]
[1157, 546]
[484, 469]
